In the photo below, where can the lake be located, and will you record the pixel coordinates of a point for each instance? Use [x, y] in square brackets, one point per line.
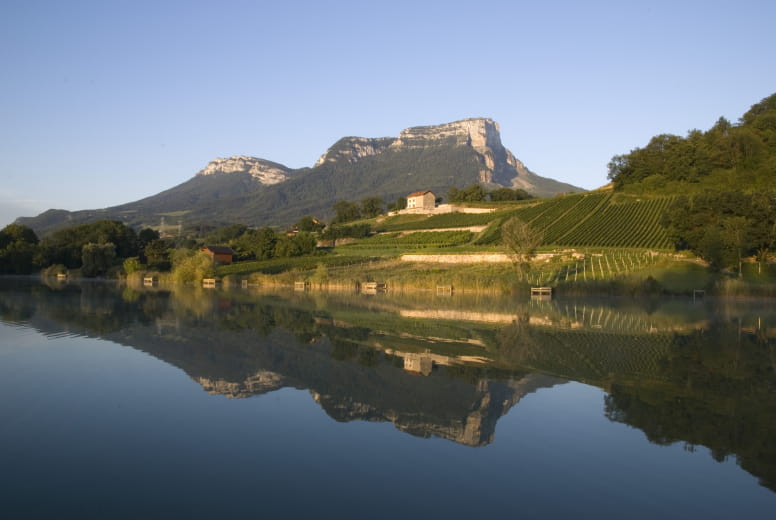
[123, 402]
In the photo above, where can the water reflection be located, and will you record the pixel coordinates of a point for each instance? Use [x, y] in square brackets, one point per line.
[699, 374]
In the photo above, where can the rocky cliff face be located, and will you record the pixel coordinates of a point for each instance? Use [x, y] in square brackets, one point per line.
[483, 135]
[499, 166]
[266, 172]
[352, 149]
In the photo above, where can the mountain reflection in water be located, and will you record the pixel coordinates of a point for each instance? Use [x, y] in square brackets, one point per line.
[699, 374]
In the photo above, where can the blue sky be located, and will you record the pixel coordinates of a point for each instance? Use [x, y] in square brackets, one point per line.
[106, 102]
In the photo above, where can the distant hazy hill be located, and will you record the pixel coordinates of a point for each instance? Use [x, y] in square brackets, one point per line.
[257, 192]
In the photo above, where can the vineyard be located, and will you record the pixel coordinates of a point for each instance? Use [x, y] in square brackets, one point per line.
[599, 220]
[595, 219]
[417, 240]
[445, 220]
[596, 266]
[631, 224]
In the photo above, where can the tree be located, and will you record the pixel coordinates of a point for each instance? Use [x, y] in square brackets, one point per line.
[17, 233]
[521, 241]
[472, 193]
[400, 204]
[372, 206]
[145, 236]
[65, 246]
[763, 231]
[309, 223]
[157, 254]
[321, 274]
[132, 265]
[18, 249]
[18, 258]
[264, 241]
[298, 245]
[189, 266]
[96, 259]
[736, 231]
[225, 234]
[352, 231]
[346, 212]
[505, 194]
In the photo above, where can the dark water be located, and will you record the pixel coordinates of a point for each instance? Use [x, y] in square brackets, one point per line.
[146, 403]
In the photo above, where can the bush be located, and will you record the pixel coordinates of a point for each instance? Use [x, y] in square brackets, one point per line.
[54, 270]
[131, 265]
[192, 268]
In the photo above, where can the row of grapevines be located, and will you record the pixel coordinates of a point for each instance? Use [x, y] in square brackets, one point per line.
[632, 224]
[419, 239]
[570, 219]
[445, 220]
[556, 208]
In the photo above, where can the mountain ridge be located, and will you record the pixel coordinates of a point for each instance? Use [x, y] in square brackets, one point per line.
[259, 192]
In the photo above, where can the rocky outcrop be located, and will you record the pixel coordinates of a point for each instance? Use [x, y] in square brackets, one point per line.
[498, 165]
[266, 172]
[479, 133]
[352, 149]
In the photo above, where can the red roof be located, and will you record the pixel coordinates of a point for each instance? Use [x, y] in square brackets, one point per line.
[219, 250]
[419, 193]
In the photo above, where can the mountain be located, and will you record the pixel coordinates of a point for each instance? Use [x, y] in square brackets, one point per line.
[257, 192]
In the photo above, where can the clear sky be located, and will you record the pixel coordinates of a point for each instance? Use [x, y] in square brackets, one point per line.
[109, 101]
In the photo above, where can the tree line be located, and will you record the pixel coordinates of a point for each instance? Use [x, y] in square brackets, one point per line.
[724, 227]
[727, 211]
[726, 154]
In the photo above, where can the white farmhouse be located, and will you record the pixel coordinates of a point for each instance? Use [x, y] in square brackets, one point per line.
[421, 200]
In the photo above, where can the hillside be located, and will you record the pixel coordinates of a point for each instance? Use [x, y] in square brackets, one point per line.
[594, 219]
[727, 157]
[257, 192]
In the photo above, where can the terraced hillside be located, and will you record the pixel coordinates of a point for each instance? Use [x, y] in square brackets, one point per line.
[595, 219]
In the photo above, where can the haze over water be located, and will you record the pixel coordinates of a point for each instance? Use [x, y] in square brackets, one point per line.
[127, 403]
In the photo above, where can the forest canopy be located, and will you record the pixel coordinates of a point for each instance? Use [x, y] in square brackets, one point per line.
[727, 156]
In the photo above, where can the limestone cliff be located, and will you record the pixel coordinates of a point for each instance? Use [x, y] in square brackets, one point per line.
[352, 149]
[498, 166]
[266, 172]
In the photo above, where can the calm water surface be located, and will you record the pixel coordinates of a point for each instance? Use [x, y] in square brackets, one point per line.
[150, 403]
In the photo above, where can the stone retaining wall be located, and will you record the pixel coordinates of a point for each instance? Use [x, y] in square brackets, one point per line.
[458, 259]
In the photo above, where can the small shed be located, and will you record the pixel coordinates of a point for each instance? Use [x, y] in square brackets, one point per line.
[421, 200]
[221, 254]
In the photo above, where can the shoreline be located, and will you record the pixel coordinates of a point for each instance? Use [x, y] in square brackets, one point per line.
[724, 290]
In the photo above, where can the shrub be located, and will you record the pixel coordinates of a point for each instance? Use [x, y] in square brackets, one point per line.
[193, 268]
